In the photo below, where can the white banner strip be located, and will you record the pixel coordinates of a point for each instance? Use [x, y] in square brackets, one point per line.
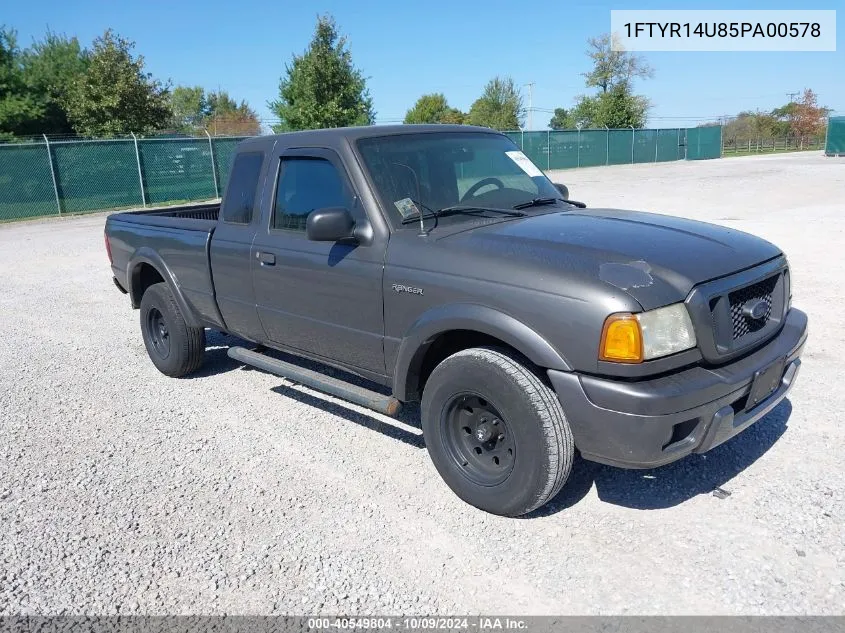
[706, 30]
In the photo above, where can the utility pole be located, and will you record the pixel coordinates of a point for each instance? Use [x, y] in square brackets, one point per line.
[216, 103]
[530, 125]
[792, 96]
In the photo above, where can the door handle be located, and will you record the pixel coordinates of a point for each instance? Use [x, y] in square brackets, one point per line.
[267, 259]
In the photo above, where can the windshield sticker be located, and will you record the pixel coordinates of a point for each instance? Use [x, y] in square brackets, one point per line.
[406, 207]
[524, 163]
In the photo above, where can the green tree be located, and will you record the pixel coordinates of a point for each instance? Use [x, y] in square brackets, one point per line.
[454, 116]
[322, 88]
[50, 67]
[227, 116]
[784, 116]
[615, 105]
[583, 113]
[619, 107]
[612, 67]
[616, 108]
[194, 110]
[499, 107]
[750, 126]
[220, 103]
[562, 120]
[17, 106]
[115, 95]
[189, 106]
[433, 108]
[803, 119]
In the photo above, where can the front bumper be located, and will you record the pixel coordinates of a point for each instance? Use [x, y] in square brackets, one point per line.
[652, 422]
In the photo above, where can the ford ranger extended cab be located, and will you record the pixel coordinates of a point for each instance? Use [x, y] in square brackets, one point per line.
[440, 263]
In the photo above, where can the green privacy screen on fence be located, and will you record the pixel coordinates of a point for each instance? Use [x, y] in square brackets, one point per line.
[95, 175]
[563, 149]
[704, 142]
[176, 169]
[835, 143]
[26, 186]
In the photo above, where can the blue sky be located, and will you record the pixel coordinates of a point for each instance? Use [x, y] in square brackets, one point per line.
[411, 48]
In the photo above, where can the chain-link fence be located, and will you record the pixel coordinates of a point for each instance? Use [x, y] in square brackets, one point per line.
[77, 176]
[52, 177]
[564, 149]
[835, 141]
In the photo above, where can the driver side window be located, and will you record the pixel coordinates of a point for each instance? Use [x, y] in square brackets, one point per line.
[304, 185]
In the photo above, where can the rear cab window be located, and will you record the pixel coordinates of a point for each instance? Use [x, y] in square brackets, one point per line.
[242, 189]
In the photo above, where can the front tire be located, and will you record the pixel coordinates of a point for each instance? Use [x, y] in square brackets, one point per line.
[495, 432]
[175, 348]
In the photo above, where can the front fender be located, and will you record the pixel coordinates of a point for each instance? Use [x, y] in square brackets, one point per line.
[475, 318]
[146, 255]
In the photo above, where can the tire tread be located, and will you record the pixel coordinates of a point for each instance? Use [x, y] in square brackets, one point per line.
[555, 428]
[192, 351]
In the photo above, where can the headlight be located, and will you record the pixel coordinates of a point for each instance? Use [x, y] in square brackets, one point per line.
[633, 338]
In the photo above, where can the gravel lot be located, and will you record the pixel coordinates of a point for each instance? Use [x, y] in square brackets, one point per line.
[125, 491]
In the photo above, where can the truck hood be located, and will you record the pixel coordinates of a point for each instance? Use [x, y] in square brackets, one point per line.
[656, 259]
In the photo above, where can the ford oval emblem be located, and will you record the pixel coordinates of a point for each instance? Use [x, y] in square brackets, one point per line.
[755, 308]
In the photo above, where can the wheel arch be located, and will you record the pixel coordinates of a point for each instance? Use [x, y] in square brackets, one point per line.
[446, 330]
[146, 268]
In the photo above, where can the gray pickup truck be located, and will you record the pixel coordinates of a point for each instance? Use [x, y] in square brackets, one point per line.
[440, 263]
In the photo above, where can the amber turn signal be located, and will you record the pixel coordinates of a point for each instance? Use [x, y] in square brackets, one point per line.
[621, 339]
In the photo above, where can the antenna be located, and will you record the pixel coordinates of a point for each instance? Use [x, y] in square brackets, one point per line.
[418, 202]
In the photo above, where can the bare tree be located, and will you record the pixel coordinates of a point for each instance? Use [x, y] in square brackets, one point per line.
[612, 67]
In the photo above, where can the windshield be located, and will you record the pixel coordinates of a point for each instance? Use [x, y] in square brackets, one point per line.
[423, 173]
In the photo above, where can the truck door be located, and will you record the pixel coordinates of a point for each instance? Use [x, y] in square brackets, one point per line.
[231, 245]
[322, 298]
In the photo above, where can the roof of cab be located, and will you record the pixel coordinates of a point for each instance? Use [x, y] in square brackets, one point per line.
[365, 131]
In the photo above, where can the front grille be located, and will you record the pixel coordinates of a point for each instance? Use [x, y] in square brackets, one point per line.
[743, 324]
[716, 310]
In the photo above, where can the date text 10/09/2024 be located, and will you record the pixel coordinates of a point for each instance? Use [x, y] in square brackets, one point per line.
[723, 29]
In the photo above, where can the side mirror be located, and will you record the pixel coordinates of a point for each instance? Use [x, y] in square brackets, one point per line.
[330, 225]
[564, 190]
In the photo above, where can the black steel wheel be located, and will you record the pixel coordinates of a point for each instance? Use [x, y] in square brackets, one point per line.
[175, 348]
[158, 333]
[478, 439]
[495, 431]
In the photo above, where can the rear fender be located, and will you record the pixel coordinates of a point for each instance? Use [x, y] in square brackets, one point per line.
[146, 255]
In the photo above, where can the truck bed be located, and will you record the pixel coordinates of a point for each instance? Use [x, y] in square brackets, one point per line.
[196, 217]
[176, 240]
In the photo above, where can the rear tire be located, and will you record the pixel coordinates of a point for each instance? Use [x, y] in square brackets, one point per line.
[495, 431]
[175, 348]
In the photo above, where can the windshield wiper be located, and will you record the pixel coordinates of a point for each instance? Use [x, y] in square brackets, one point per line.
[459, 208]
[537, 202]
[540, 202]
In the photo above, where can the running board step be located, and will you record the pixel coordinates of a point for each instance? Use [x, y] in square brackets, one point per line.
[342, 389]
